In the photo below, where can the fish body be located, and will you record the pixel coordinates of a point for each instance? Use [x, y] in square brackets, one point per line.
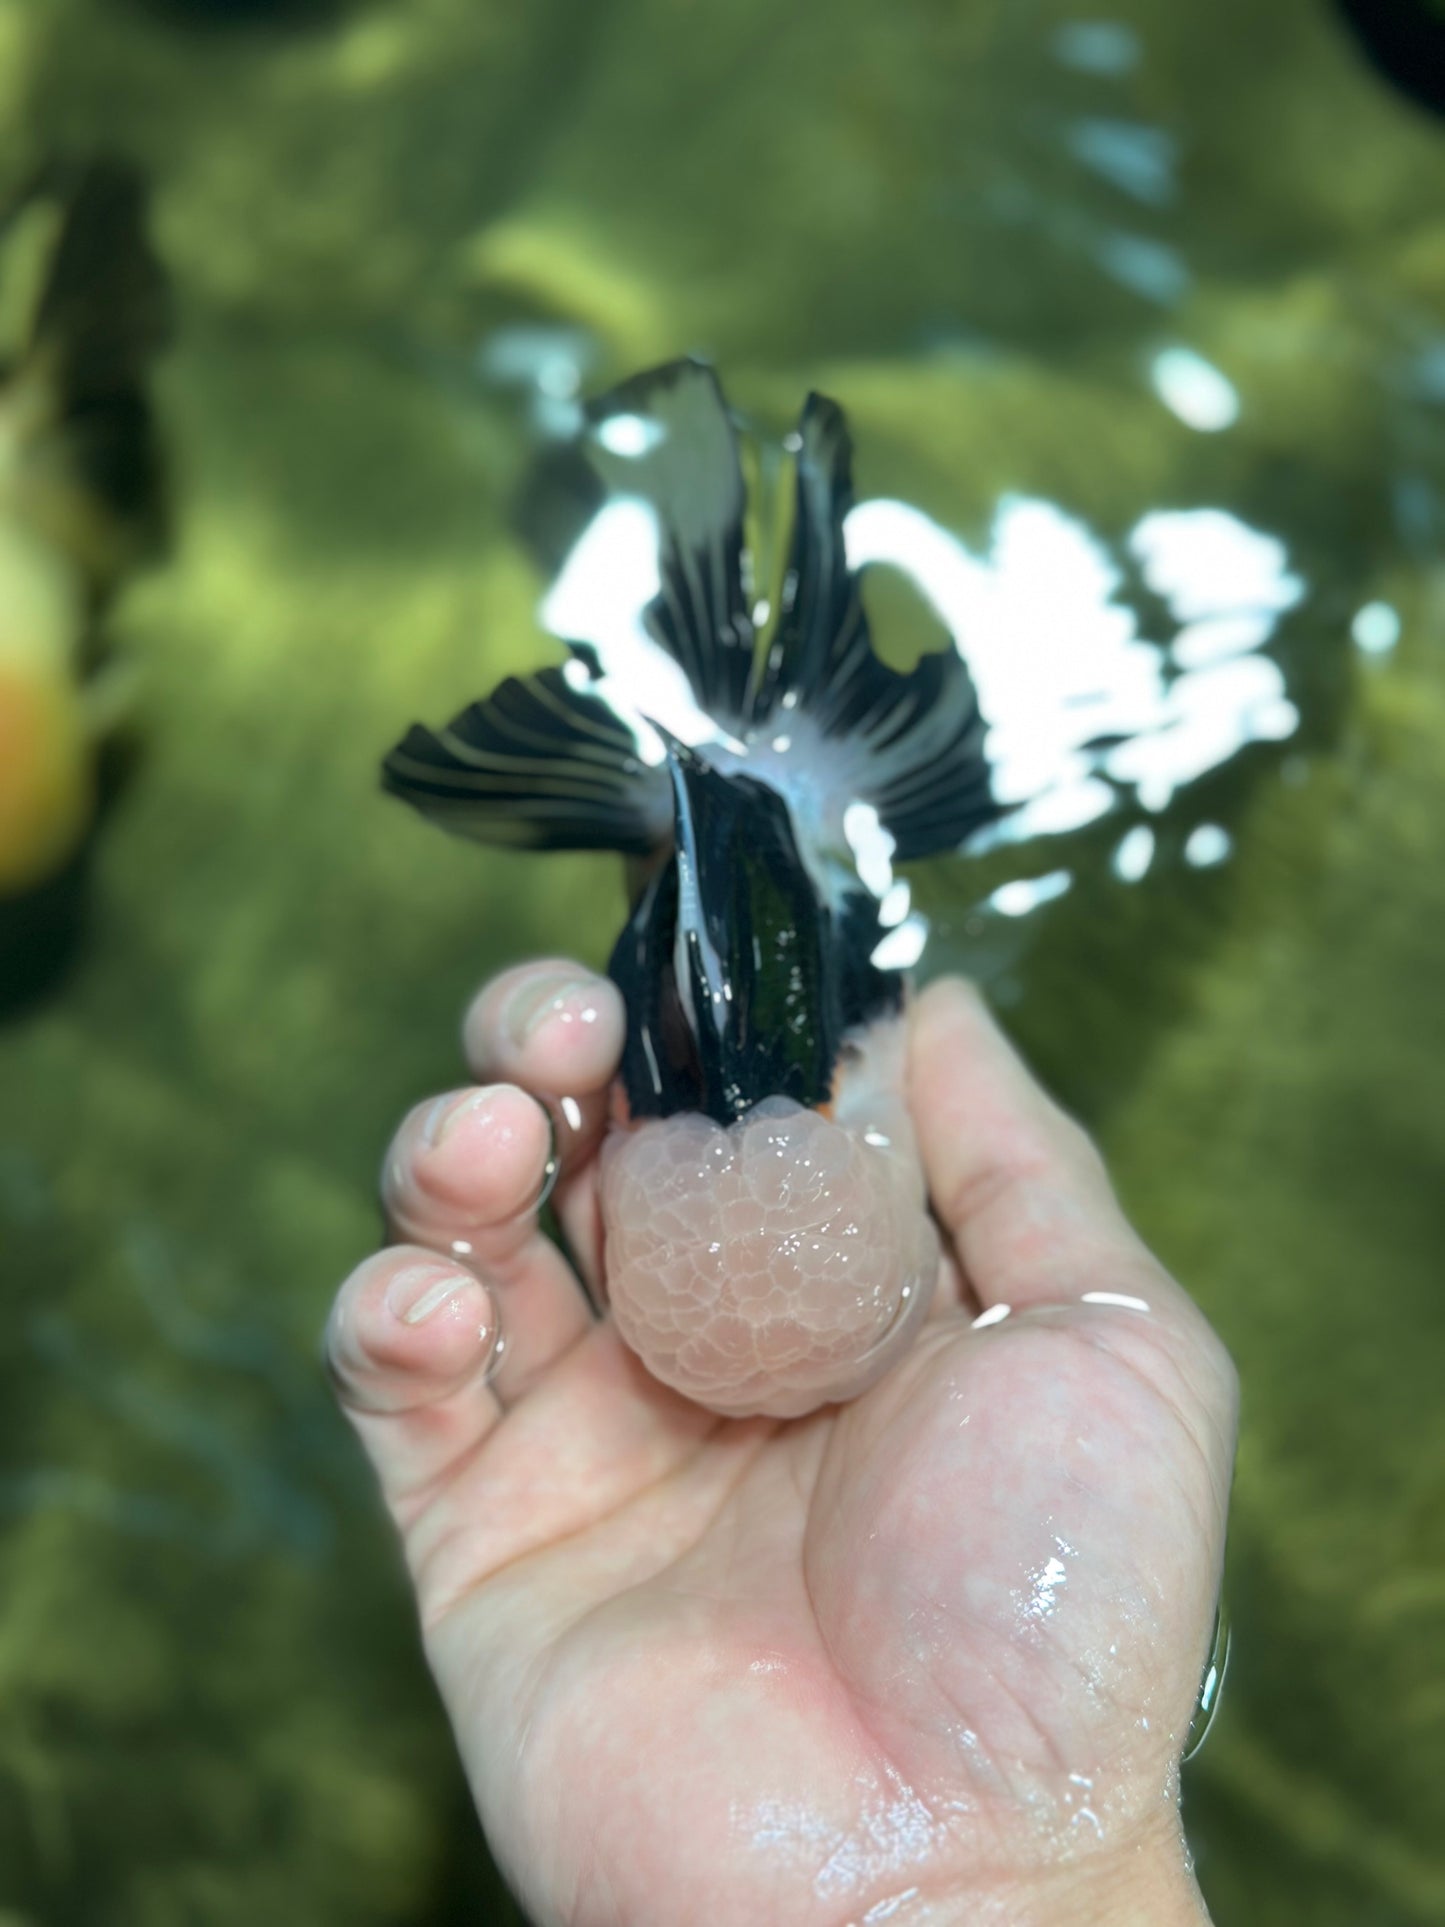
[768, 1238]
[752, 948]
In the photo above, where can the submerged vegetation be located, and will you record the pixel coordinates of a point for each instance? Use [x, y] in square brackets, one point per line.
[980, 227]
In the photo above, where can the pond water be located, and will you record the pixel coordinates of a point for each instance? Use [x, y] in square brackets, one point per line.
[1138, 313]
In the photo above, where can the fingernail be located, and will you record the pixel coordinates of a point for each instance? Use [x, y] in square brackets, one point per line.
[416, 1294]
[449, 1111]
[534, 1002]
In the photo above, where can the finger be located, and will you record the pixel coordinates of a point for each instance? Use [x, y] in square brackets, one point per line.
[952, 1293]
[557, 1029]
[1035, 1223]
[467, 1172]
[870, 1099]
[412, 1343]
[466, 1175]
[1017, 1184]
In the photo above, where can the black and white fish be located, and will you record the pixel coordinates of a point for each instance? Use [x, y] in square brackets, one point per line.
[759, 940]
[765, 770]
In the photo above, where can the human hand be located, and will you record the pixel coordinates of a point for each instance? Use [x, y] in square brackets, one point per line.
[927, 1657]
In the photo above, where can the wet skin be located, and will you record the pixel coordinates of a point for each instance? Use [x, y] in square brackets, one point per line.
[930, 1656]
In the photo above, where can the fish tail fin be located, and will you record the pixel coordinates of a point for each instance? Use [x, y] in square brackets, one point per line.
[103, 310]
[917, 739]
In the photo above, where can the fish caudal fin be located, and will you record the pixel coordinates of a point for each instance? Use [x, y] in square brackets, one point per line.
[666, 438]
[915, 740]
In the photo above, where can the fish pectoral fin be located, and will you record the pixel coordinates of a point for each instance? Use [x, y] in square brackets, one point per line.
[538, 764]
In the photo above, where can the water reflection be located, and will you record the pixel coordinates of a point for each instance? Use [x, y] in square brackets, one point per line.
[1023, 894]
[1375, 629]
[548, 365]
[1109, 678]
[1139, 160]
[1133, 854]
[1083, 708]
[1097, 47]
[1206, 845]
[1194, 390]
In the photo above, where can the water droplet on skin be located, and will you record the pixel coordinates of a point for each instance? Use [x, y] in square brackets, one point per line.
[550, 1172]
[1211, 1686]
[1045, 1584]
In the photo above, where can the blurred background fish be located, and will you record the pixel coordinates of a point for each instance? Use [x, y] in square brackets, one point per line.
[83, 310]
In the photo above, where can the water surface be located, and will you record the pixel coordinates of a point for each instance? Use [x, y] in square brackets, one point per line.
[1151, 259]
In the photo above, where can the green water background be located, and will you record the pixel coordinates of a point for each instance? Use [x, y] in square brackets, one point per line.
[211, 1708]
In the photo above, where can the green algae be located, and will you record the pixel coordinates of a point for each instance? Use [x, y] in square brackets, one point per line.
[211, 1704]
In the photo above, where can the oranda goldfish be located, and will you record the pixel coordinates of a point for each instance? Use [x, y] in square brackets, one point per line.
[769, 1247]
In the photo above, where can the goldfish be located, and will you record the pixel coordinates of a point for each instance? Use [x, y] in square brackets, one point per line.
[83, 308]
[768, 1241]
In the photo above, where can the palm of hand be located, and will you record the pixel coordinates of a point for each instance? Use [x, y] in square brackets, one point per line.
[807, 1668]
[938, 1641]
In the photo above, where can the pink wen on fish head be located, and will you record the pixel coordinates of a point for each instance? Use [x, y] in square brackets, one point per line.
[767, 1267]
